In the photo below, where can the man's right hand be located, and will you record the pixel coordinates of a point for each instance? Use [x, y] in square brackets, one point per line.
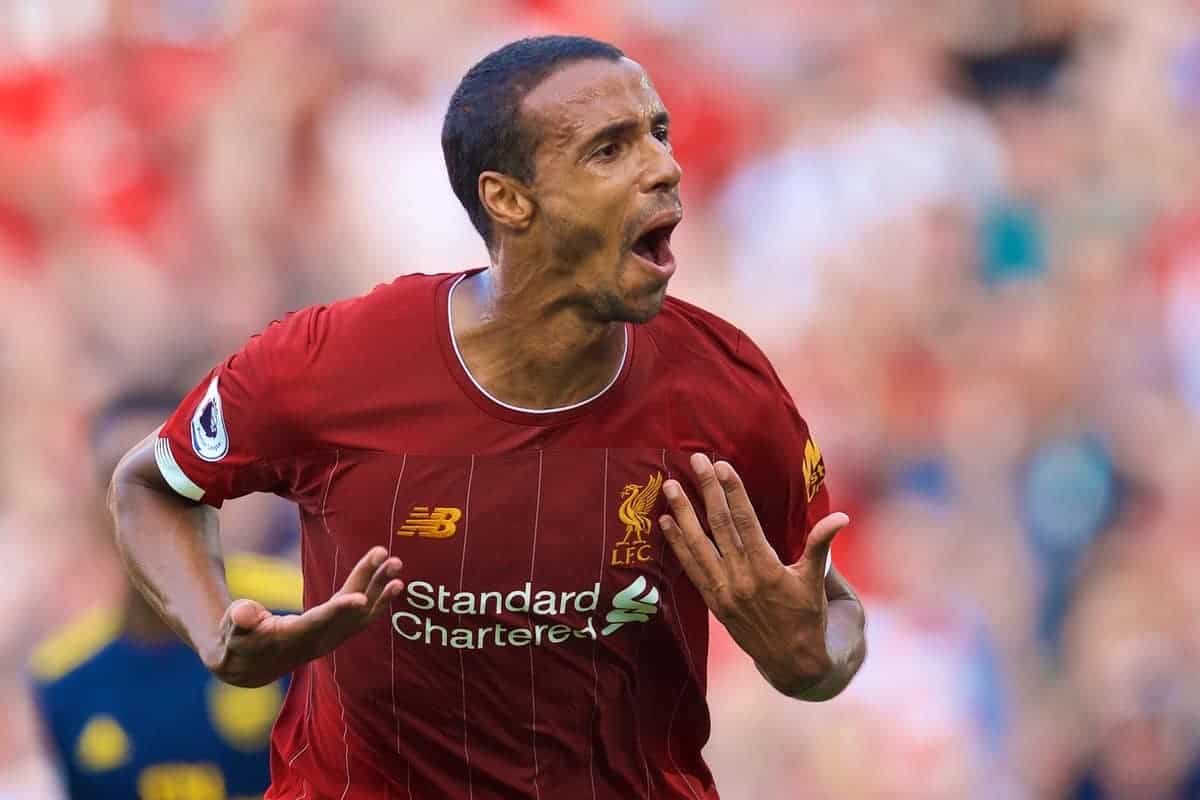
[257, 647]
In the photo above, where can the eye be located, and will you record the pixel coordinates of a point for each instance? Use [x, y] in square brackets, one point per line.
[607, 152]
[661, 133]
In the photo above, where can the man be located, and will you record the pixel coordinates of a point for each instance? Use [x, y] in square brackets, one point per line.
[523, 438]
[127, 709]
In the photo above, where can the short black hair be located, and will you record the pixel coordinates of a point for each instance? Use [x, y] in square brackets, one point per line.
[483, 130]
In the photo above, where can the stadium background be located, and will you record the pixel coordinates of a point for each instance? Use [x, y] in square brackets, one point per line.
[967, 232]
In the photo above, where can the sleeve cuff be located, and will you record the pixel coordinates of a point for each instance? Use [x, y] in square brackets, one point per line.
[171, 472]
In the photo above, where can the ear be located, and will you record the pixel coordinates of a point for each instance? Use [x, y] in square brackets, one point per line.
[506, 199]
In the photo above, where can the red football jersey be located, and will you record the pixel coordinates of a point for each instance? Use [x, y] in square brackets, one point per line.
[548, 643]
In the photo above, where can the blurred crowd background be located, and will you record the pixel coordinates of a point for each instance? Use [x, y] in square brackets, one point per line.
[966, 231]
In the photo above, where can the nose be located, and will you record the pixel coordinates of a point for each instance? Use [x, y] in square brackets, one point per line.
[662, 171]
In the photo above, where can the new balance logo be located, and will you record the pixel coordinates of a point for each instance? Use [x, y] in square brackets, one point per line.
[632, 604]
[439, 523]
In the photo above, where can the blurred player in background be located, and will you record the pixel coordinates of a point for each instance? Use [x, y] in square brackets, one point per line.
[534, 441]
[128, 709]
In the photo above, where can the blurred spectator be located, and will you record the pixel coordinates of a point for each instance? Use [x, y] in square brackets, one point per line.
[1130, 656]
[904, 144]
[127, 709]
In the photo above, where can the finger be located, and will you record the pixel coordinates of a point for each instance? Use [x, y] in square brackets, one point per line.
[348, 611]
[388, 570]
[820, 538]
[689, 534]
[322, 628]
[248, 623]
[390, 592]
[703, 579]
[342, 611]
[720, 518]
[246, 615]
[755, 546]
[360, 577]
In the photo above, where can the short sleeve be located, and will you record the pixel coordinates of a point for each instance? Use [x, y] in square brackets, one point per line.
[780, 463]
[234, 433]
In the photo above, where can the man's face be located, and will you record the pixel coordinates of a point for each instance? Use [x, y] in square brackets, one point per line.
[606, 187]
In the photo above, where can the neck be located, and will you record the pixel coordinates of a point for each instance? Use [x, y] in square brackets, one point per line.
[529, 346]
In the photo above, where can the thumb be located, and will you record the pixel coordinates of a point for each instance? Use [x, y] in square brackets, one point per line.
[820, 538]
[246, 615]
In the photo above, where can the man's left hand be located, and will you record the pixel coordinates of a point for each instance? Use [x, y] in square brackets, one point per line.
[776, 612]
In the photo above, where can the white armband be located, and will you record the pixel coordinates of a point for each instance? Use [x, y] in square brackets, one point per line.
[172, 474]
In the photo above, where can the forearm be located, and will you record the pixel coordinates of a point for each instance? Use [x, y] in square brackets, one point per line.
[171, 548]
[816, 677]
[847, 645]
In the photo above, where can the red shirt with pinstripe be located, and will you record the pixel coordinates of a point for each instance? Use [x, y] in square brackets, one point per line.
[548, 644]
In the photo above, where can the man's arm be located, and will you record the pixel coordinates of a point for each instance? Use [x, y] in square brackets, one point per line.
[845, 643]
[171, 547]
[803, 628]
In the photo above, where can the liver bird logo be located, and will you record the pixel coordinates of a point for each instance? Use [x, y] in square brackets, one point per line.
[636, 504]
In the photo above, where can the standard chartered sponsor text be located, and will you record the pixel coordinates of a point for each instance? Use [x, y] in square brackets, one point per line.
[422, 596]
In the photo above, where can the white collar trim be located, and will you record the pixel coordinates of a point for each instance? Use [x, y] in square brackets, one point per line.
[510, 407]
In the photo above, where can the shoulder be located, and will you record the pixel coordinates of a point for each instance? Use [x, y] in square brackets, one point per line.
[725, 392]
[387, 313]
[681, 323]
[714, 346]
[341, 348]
[79, 643]
[275, 583]
[406, 297]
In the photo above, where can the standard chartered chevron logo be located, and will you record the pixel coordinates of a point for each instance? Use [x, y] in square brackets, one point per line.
[486, 618]
[632, 604]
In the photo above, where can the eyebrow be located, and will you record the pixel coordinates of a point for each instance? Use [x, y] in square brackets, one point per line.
[624, 128]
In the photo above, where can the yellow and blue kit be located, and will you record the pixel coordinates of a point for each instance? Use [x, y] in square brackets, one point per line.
[128, 719]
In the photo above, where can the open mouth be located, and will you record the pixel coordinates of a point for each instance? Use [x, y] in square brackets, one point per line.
[654, 245]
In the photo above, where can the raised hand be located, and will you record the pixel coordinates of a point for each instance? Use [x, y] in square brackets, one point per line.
[257, 647]
[776, 612]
